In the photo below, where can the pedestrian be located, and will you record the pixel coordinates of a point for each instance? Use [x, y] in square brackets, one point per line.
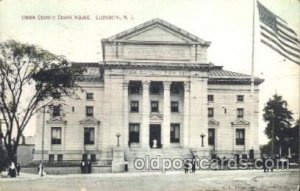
[284, 162]
[186, 166]
[264, 164]
[18, 167]
[219, 163]
[89, 167]
[12, 170]
[272, 165]
[82, 167]
[41, 169]
[193, 165]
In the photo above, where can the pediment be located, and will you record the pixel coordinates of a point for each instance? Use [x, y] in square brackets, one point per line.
[56, 120]
[89, 121]
[156, 116]
[240, 122]
[157, 33]
[157, 30]
[213, 122]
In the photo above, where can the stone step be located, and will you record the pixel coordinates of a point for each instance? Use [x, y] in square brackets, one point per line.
[155, 154]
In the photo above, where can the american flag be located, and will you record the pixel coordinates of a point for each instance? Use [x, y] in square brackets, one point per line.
[277, 35]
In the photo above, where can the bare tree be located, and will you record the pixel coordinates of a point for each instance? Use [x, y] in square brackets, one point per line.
[24, 67]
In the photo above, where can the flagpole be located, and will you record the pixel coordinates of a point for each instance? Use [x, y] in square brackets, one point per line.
[252, 108]
[252, 54]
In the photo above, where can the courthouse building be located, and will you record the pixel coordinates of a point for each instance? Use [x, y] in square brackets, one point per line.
[154, 93]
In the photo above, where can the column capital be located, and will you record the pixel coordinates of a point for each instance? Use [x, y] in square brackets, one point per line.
[187, 86]
[146, 83]
[167, 85]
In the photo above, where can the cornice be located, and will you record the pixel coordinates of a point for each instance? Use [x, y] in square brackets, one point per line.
[152, 42]
[156, 66]
[237, 81]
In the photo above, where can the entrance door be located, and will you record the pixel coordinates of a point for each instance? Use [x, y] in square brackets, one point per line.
[155, 136]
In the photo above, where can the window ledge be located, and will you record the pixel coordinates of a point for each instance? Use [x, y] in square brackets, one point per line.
[134, 145]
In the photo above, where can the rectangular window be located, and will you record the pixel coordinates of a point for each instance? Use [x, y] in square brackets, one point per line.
[240, 112]
[56, 111]
[210, 112]
[93, 157]
[89, 96]
[240, 137]
[51, 158]
[134, 133]
[89, 135]
[59, 158]
[174, 106]
[211, 136]
[210, 98]
[134, 89]
[89, 111]
[134, 106]
[154, 106]
[175, 133]
[55, 135]
[240, 98]
[175, 88]
[154, 88]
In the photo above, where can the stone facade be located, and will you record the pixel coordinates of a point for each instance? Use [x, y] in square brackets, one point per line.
[156, 89]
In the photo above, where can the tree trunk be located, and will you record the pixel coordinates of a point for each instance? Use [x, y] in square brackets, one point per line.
[11, 153]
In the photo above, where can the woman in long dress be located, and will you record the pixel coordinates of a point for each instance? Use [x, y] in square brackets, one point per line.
[12, 169]
[41, 169]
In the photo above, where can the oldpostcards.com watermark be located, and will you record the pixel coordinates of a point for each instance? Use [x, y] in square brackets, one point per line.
[164, 164]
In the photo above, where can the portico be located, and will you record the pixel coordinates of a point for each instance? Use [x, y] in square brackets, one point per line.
[147, 105]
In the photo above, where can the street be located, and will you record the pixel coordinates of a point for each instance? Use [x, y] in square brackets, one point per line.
[202, 180]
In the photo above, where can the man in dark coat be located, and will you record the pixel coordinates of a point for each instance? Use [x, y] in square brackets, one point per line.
[83, 167]
[186, 166]
[193, 165]
[89, 167]
[18, 167]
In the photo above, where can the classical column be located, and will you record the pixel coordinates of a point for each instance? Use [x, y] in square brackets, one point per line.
[166, 123]
[144, 130]
[125, 134]
[186, 115]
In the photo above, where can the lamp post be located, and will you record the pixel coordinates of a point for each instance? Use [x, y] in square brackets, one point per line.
[202, 136]
[273, 116]
[118, 135]
[43, 131]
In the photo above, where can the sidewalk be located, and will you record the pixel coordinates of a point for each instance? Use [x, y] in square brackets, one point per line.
[28, 176]
[22, 176]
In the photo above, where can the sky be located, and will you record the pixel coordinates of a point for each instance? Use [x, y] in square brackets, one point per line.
[227, 24]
